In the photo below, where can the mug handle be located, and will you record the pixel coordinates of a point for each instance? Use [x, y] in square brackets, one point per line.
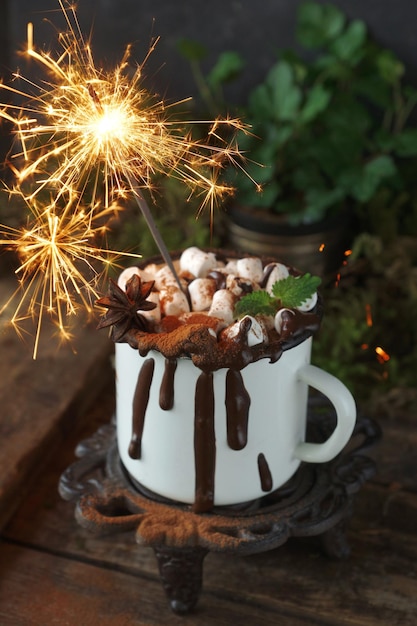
[345, 407]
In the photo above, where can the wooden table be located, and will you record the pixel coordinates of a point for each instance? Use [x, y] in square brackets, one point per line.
[52, 571]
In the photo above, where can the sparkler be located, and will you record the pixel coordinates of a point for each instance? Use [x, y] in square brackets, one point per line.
[58, 251]
[96, 135]
[90, 124]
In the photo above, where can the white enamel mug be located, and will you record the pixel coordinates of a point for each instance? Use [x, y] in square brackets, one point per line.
[276, 425]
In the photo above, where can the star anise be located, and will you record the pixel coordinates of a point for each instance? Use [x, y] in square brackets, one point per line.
[123, 307]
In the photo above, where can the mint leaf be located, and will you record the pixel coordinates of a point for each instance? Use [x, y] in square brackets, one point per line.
[255, 303]
[294, 290]
[288, 292]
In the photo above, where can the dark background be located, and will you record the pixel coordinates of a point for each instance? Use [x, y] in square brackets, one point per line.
[255, 28]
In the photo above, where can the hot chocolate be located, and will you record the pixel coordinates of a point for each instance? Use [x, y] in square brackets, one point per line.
[207, 370]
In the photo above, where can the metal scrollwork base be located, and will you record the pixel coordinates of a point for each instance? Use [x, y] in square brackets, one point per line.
[317, 501]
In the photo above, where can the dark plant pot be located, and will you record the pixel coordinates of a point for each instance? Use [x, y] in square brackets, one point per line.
[316, 248]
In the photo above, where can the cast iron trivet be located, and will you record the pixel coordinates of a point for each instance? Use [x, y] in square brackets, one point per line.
[316, 501]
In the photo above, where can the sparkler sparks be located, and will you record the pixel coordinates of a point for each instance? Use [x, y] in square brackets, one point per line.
[89, 124]
[382, 356]
[97, 135]
[59, 259]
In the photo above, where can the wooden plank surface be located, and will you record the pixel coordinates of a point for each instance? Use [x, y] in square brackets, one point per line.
[40, 400]
[52, 571]
[71, 575]
[45, 589]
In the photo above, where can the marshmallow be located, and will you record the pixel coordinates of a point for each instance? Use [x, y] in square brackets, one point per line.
[231, 266]
[127, 275]
[281, 317]
[256, 334]
[251, 268]
[278, 272]
[267, 321]
[153, 316]
[164, 277]
[173, 301]
[149, 271]
[219, 276]
[197, 262]
[308, 304]
[238, 285]
[222, 305]
[144, 274]
[201, 292]
[232, 285]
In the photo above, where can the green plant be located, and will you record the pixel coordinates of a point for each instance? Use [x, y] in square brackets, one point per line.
[368, 337]
[333, 130]
[227, 69]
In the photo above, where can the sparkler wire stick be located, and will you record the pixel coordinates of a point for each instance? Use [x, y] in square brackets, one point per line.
[146, 212]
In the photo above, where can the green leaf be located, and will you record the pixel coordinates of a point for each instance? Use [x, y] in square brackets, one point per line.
[389, 66]
[332, 67]
[298, 65]
[227, 68]
[317, 100]
[191, 50]
[255, 303]
[319, 201]
[349, 116]
[279, 135]
[333, 152]
[286, 95]
[375, 90]
[318, 24]
[349, 46]
[405, 143]
[379, 169]
[260, 103]
[294, 290]
[350, 180]
[267, 141]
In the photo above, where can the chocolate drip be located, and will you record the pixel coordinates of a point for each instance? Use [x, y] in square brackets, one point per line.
[264, 473]
[140, 403]
[204, 443]
[237, 410]
[166, 392]
[219, 277]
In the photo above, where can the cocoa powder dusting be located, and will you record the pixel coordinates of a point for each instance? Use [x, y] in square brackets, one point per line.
[209, 353]
[140, 403]
[204, 443]
[166, 392]
[237, 410]
[264, 473]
